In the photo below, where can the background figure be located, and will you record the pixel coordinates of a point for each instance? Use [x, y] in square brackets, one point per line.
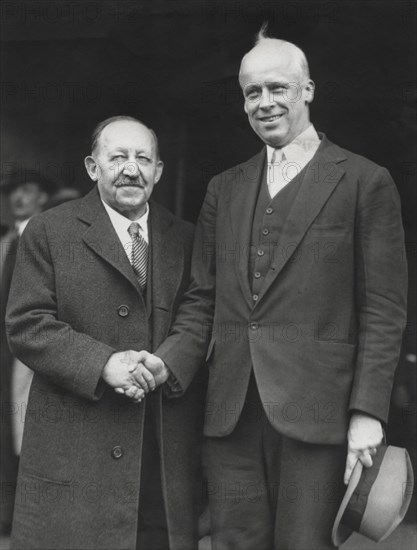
[27, 192]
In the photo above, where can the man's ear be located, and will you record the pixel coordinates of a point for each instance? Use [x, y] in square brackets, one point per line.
[309, 91]
[159, 170]
[92, 167]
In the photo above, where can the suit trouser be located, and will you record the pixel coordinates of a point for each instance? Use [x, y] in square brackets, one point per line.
[267, 491]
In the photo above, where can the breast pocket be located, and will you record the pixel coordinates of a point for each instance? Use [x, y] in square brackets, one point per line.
[323, 229]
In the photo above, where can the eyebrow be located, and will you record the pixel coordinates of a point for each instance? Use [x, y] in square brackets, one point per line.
[268, 83]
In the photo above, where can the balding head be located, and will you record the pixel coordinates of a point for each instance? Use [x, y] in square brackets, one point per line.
[274, 48]
[275, 81]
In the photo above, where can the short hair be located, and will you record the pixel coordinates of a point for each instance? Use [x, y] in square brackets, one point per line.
[263, 36]
[101, 125]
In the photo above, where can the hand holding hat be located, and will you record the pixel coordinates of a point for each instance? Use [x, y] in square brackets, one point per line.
[364, 436]
[377, 498]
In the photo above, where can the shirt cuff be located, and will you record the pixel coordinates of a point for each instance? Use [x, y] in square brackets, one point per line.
[172, 387]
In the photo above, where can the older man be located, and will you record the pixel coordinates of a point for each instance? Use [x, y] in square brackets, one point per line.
[299, 269]
[96, 280]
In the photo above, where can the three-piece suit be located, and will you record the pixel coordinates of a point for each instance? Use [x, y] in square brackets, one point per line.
[298, 304]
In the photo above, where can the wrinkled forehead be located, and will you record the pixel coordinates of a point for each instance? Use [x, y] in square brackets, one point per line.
[126, 134]
[268, 64]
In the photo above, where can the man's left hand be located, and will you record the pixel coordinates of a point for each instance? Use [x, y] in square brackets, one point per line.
[364, 436]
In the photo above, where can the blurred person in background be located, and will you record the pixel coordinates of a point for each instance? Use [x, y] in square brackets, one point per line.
[27, 193]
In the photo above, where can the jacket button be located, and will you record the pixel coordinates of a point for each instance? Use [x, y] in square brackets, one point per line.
[265, 231]
[257, 275]
[253, 326]
[255, 297]
[123, 311]
[261, 252]
[117, 452]
[269, 210]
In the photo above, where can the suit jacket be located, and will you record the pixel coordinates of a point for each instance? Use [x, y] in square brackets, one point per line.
[74, 301]
[323, 338]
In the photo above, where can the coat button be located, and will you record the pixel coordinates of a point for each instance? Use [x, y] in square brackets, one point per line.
[269, 210]
[265, 231]
[123, 311]
[253, 326]
[257, 275]
[255, 297]
[117, 452]
[261, 252]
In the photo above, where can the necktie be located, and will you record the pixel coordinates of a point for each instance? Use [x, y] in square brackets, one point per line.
[139, 254]
[276, 176]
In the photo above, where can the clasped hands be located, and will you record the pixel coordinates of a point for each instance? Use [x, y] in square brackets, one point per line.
[134, 373]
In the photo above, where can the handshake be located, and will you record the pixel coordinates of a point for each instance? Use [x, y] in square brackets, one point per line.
[134, 373]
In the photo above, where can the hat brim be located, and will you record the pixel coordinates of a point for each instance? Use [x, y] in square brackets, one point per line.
[340, 532]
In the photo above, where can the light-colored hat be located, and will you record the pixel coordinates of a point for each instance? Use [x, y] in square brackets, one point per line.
[377, 498]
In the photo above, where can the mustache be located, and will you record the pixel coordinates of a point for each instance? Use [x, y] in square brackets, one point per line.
[137, 181]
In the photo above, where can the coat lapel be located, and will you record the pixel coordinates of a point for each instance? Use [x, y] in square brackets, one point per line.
[167, 265]
[320, 178]
[244, 196]
[102, 239]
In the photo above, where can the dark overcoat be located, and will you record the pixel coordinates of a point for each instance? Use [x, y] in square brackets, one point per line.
[74, 301]
[324, 334]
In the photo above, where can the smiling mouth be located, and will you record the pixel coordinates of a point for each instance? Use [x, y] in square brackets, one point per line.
[270, 118]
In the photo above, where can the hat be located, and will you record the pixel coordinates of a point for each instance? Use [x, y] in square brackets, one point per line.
[27, 175]
[377, 498]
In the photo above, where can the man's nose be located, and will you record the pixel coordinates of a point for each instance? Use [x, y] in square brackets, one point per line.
[267, 99]
[131, 168]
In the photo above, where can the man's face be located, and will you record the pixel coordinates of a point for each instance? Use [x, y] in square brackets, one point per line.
[276, 95]
[26, 200]
[125, 167]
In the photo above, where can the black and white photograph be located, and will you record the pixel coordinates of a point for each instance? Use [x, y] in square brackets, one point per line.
[208, 275]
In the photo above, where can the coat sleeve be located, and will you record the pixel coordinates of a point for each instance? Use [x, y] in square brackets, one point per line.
[381, 294]
[186, 346]
[50, 347]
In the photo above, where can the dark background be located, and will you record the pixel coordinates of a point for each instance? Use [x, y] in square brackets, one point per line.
[66, 65]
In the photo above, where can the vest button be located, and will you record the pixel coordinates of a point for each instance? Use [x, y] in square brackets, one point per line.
[269, 210]
[265, 231]
[117, 452]
[255, 297]
[261, 252]
[123, 311]
[257, 275]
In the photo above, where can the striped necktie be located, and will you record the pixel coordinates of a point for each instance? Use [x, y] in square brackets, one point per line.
[139, 254]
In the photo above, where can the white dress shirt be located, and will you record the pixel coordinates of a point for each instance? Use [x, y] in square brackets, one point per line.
[121, 225]
[286, 163]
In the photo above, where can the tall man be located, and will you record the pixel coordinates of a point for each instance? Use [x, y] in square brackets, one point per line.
[96, 280]
[300, 272]
[27, 193]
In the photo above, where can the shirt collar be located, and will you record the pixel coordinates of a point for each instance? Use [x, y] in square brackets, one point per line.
[123, 223]
[20, 226]
[304, 145]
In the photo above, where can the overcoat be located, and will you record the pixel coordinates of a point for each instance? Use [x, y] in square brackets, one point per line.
[323, 336]
[74, 301]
